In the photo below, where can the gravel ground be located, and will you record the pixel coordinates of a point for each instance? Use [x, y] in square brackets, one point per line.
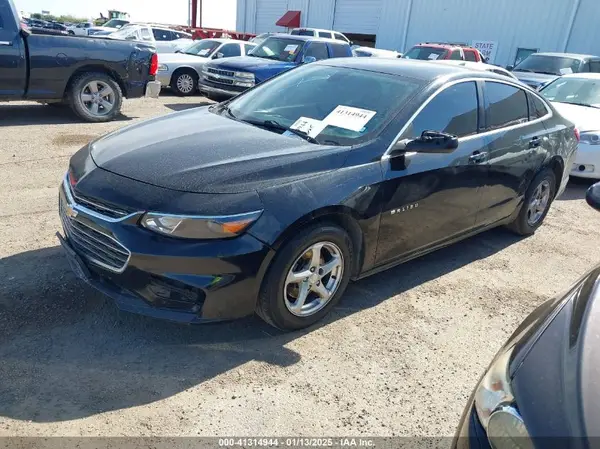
[399, 356]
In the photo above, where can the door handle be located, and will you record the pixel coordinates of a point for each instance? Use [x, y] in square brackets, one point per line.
[478, 156]
[6, 43]
[535, 142]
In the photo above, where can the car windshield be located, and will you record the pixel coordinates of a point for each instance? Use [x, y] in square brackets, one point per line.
[115, 23]
[579, 91]
[425, 53]
[203, 48]
[314, 99]
[278, 48]
[550, 65]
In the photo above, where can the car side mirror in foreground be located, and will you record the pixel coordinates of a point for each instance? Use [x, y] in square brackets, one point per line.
[429, 142]
[593, 196]
[308, 59]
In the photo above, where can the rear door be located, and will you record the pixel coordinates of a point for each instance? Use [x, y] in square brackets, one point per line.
[516, 143]
[431, 198]
[13, 66]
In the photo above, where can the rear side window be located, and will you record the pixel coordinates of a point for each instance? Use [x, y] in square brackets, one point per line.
[342, 51]
[452, 111]
[506, 105]
[230, 50]
[303, 32]
[537, 108]
[318, 50]
[456, 55]
[339, 37]
[325, 34]
[470, 56]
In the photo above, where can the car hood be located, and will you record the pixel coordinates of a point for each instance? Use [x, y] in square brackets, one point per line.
[180, 58]
[201, 152]
[585, 118]
[534, 80]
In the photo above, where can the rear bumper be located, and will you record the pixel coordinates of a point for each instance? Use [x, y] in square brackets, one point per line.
[587, 161]
[153, 89]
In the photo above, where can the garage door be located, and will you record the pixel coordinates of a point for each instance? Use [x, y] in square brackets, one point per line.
[357, 16]
[269, 12]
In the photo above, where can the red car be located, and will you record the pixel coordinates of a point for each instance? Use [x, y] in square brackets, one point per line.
[437, 51]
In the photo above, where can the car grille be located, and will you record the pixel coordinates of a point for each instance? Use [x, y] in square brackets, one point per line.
[220, 81]
[221, 72]
[97, 247]
[98, 206]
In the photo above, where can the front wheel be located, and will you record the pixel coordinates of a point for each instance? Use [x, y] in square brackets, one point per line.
[184, 83]
[95, 97]
[536, 205]
[307, 277]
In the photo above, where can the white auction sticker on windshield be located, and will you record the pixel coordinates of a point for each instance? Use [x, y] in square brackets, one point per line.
[433, 56]
[350, 118]
[203, 52]
[291, 48]
[566, 71]
[310, 126]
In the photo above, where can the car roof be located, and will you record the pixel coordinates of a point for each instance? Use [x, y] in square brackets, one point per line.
[565, 55]
[308, 38]
[412, 68]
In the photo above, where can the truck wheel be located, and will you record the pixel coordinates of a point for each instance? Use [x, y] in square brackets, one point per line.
[95, 97]
[184, 82]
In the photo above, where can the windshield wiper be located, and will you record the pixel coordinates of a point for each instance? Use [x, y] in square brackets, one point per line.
[546, 73]
[273, 125]
[523, 70]
[579, 104]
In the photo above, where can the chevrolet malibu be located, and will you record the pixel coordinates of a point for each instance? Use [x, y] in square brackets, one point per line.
[273, 201]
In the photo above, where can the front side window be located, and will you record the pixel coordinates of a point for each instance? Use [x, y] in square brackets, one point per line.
[456, 55]
[595, 66]
[506, 105]
[229, 50]
[453, 111]
[146, 35]
[339, 50]
[578, 91]
[248, 48]
[470, 56]
[340, 37]
[537, 108]
[550, 65]
[279, 49]
[426, 53]
[204, 48]
[318, 50]
[320, 93]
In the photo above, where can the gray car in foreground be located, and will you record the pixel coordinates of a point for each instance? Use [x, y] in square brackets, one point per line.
[181, 70]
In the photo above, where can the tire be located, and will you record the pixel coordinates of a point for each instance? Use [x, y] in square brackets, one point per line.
[82, 87]
[184, 82]
[272, 306]
[528, 221]
[72, 33]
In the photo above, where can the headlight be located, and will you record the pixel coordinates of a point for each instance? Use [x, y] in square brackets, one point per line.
[591, 138]
[193, 227]
[495, 406]
[163, 67]
[245, 75]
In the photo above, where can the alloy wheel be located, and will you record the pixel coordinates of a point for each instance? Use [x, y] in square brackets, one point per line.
[185, 83]
[98, 97]
[538, 203]
[313, 279]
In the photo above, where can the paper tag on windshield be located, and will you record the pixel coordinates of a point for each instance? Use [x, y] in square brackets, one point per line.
[310, 126]
[566, 71]
[203, 52]
[350, 118]
[433, 56]
[291, 48]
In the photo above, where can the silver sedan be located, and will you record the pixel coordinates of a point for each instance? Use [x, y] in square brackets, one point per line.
[181, 70]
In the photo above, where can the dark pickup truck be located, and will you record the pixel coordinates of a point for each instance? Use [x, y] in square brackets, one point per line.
[90, 75]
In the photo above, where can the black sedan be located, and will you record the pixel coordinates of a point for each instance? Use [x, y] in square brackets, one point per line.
[273, 201]
[541, 390]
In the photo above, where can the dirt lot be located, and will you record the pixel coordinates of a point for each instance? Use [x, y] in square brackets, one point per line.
[399, 356]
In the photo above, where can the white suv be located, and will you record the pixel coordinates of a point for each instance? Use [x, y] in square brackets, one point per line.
[327, 34]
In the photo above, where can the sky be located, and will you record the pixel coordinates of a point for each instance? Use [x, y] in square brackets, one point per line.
[215, 13]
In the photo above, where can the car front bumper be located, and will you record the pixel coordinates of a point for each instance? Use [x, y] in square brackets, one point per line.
[587, 161]
[180, 280]
[210, 88]
[470, 434]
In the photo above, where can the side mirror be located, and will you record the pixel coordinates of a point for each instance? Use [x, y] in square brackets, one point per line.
[219, 55]
[510, 67]
[308, 59]
[429, 142]
[593, 196]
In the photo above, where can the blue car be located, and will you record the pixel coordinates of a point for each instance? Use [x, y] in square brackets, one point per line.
[277, 54]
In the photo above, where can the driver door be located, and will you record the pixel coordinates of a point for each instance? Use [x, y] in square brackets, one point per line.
[429, 198]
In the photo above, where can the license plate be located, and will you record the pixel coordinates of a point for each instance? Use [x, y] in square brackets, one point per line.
[74, 260]
[153, 89]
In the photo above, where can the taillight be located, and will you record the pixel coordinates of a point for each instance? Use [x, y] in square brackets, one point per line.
[577, 135]
[154, 65]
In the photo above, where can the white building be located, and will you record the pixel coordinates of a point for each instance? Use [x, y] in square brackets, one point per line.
[514, 27]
